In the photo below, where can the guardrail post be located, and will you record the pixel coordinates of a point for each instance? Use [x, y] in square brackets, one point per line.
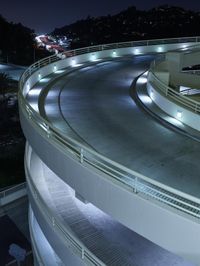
[196, 108]
[29, 114]
[82, 253]
[48, 131]
[53, 221]
[35, 194]
[166, 92]
[135, 185]
[81, 155]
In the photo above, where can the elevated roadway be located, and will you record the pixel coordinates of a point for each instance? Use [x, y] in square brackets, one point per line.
[95, 103]
[82, 123]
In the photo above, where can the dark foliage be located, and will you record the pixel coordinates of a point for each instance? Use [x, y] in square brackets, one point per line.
[5, 82]
[132, 24]
[16, 43]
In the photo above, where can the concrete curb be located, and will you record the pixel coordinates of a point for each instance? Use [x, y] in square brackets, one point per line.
[135, 97]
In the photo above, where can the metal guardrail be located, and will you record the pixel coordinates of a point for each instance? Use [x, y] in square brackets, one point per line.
[131, 180]
[91, 49]
[179, 98]
[12, 190]
[75, 244]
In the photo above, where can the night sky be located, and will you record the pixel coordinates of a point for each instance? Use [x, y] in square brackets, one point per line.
[43, 16]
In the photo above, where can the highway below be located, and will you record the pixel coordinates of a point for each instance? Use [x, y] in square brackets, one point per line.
[93, 103]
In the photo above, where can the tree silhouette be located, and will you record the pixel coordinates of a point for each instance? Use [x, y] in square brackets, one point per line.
[5, 81]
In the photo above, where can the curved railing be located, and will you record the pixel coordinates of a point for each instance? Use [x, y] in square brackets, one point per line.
[129, 179]
[91, 49]
[177, 97]
[75, 244]
[6, 192]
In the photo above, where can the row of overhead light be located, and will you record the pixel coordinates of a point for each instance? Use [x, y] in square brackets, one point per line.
[94, 58]
[151, 98]
[179, 114]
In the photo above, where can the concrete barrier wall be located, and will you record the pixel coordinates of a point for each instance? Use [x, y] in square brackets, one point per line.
[171, 108]
[89, 57]
[13, 196]
[185, 79]
[166, 227]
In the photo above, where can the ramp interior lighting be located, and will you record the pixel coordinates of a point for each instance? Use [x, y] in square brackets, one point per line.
[44, 80]
[59, 71]
[73, 63]
[136, 51]
[160, 49]
[93, 57]
[55, 68]
[114, 53]
[28, 86]
[35, 91]
[142, 80]
[184, 47]
[151, 95]
[39, 76]
[179, 114]
[145, 99]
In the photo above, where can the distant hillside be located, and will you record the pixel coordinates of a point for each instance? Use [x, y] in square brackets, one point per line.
[132, 24]
[16, 43]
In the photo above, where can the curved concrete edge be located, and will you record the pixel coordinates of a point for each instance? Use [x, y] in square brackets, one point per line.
[129, 208]
[85, 58]
[37, 258]
[43, 252]
[44, 93]
[171, 107]
[158, 114]
[56, 241]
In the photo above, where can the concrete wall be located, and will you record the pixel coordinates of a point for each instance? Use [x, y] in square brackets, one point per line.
[184, 79]
[188, 117]
[166, 227]
[13, 196]
[95, 56]
[175, 61]
[43, 252]
[189, 59]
